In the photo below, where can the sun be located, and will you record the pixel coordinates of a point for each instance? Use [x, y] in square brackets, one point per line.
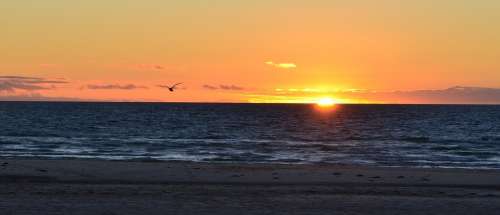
[325, 102]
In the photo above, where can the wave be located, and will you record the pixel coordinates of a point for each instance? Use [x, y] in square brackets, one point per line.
[384, 151]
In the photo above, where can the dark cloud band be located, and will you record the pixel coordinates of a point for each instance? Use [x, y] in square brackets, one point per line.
[13, 83]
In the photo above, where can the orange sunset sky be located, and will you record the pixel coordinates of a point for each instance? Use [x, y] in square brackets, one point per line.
[350, 51]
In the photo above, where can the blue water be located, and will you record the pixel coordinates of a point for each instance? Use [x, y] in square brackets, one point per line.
[379, 135]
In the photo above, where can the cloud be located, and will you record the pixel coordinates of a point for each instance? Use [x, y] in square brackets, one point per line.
[12, 83]
[114, 87]
[230, 87]
[31, 80]
[16, 77]
[282, 65]
[39, 97]
[223, 87]
[9, 86]
[452, 95]
[210, 87]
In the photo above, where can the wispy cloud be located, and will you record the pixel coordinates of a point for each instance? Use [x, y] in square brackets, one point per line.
[210, 87]
[12, 83]
[114, 87]
[38, 97]
[282, 65]
[32, 80]
[223, 87]
[16, 77]
[452, 95]
[230, 87]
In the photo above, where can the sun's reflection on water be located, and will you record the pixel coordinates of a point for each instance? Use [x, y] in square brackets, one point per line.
[326, 109]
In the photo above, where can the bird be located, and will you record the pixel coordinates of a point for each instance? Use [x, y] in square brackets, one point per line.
[171, 88]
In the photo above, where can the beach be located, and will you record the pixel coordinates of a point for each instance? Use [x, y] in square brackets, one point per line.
[138, 187]
[279, 107]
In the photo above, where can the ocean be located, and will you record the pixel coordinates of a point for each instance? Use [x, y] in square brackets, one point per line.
[444, 136]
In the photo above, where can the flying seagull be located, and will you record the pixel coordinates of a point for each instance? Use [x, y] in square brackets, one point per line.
[171, 88]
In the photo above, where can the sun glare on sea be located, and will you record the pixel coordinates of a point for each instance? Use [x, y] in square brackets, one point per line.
[326, 102]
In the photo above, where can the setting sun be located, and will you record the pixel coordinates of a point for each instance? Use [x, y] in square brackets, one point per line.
[325, 102]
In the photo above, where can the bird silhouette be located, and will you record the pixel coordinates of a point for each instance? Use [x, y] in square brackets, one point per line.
[171, 88]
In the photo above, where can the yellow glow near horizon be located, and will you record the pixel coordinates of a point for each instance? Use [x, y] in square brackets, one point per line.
[322, 101]
[326, 102]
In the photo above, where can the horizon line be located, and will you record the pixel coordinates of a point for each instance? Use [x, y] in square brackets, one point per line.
[242, 103]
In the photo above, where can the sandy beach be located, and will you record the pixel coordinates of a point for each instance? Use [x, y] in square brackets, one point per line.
[113, 187]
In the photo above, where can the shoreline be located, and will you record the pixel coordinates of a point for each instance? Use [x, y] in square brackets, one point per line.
[152, 160]
[217, 162]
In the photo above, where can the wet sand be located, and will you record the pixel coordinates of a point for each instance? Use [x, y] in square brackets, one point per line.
[112, 187]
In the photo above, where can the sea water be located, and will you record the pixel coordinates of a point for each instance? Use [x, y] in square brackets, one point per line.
[447, 136]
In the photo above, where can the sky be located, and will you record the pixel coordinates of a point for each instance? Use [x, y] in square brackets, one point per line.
[350, 51]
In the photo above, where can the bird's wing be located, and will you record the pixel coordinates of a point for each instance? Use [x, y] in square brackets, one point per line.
[175, 85]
